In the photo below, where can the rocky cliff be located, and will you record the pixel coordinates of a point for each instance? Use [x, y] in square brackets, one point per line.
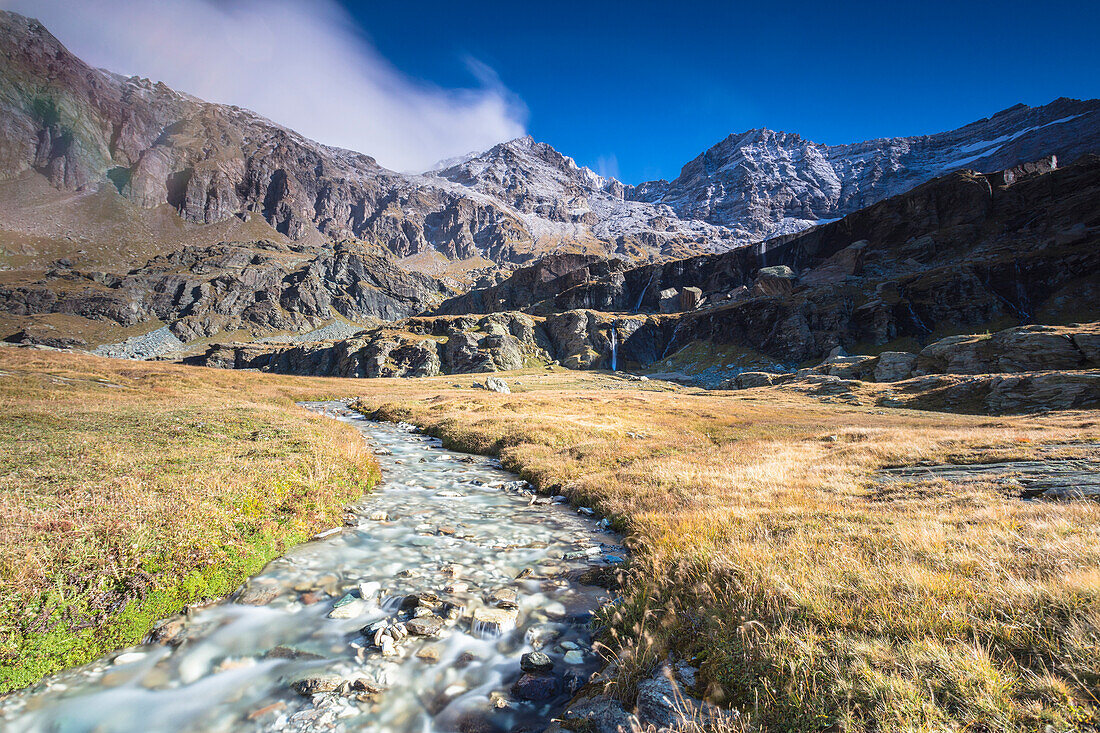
[961, 251]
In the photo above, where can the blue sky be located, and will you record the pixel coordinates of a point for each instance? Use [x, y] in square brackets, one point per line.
[640, 88]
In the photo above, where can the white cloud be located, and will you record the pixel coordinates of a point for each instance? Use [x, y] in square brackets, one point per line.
[299, 62]
[608, 165]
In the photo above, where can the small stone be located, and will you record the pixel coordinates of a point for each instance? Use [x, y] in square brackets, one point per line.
[169, 633]
[458, 587]
[348, 606]
[287, 652]
[258, 595]
[429, 654]
[369, 590]
[129, 657]
[389, 649]
[493, 621]
[312, 685]
[536, 687]
[425, 626]
[498, 700]
[409, 573]
[378, 516]
[362, 684]
[574, 656]
[504, 598]
[447, 531]
[313, 596]
[536, 662]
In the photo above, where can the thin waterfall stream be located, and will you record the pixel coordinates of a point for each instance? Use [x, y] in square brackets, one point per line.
[414, 617]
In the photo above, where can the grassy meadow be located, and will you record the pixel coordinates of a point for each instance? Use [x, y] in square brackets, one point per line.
[130, 489]
[811, 597]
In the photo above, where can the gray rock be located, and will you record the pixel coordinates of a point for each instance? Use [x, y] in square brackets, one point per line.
[536, 662]
[894, 366]
[536, 687]
[424, 626]
[497, 384]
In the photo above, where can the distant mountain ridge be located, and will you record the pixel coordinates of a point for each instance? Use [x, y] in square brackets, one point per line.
[82, 127]
[763, 183]
[125, 204]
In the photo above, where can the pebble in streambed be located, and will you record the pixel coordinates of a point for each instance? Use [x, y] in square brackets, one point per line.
[414, 616]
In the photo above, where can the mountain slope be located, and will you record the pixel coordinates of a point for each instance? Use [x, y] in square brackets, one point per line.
[83, 129]
[764, 183]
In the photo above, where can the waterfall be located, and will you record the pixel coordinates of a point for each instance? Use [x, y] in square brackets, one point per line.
[614, 352]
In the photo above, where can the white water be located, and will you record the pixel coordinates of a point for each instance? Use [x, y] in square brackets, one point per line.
[452, 519]
[614, 352]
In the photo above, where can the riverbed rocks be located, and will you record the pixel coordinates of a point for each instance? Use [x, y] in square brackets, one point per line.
[424, 625]
[536, 687]
[536, 663]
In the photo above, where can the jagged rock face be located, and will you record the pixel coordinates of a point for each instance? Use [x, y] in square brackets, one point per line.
[955, 253]
[555, 283]
[764, 183]
[560, 201]
[253, 286]
[82, 127]
[427, 346]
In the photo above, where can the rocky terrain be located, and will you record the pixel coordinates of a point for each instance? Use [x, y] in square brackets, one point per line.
[764, 183]
[251, 288]
[962, 253]
[128, 208]
[83, 128]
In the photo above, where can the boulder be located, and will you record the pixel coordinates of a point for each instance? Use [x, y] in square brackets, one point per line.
[496, 384]
[536, 662]
[776, 280]
[849, 367]
[894, 366]
[669, 300]
[535, 687]
[690, 298]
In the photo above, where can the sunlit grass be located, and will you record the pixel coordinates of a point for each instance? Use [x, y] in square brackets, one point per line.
[130, 489]
[811, 597]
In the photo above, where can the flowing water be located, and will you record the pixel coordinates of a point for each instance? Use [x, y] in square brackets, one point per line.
[448, 544]
[614, 351]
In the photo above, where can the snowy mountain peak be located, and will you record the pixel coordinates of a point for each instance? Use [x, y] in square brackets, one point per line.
[763, 182]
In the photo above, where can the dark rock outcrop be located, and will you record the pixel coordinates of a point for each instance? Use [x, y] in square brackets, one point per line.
[427, 346]
[257, 287]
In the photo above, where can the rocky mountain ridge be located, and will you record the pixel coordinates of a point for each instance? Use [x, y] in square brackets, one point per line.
[764, 183]
[82, 127]
[962, 251]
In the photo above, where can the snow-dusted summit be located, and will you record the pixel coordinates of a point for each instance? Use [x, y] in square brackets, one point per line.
[763, 183]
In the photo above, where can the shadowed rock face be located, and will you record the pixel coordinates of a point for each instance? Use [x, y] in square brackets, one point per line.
[258, 287]
[953, 254]
[427, 346]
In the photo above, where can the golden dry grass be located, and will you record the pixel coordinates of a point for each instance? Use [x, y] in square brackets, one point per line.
[130, 489]
[812, 597]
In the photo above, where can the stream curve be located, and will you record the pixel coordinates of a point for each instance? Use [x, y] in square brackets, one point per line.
[414, 617]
